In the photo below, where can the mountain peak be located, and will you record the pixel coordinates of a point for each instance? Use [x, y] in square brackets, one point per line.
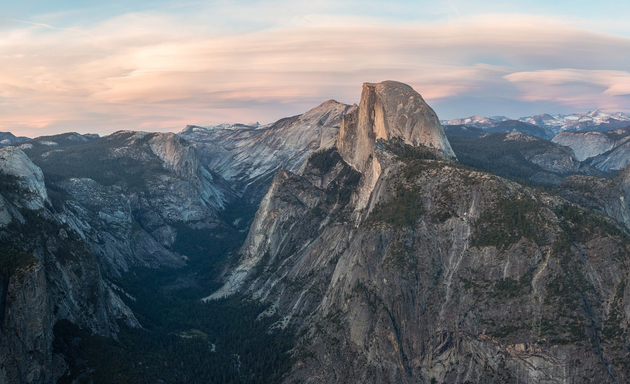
[325, 113]
[595, 113]
[388, 110]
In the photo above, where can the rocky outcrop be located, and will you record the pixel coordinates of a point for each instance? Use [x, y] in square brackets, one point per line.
[108, 221]
[607, 151]
[442, 274]
[615, 159]
[551, 158]
[131, 194]
[48, 274]
[585, 144]
[249, 156]
[30, 179]
[389, 110]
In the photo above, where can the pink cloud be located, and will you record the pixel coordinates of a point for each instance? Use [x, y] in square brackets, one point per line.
[158, 72]
[596, 86]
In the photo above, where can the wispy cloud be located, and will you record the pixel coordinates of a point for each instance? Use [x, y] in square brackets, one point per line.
[577, 87]
[616, 83]
[450, 4]
[156, 71]
[31, 23]
[43, 25]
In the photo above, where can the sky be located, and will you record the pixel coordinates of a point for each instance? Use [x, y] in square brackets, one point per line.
[97, 67]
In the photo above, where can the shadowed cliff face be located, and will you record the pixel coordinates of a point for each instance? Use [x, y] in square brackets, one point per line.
[608, 196]
[131, 195]
[422, 269]
[47, 273]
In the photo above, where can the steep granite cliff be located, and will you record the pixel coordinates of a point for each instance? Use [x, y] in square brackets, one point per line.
[606, 195]
[130, 195]
[48, 274]
[397, 264]
[607, 151]
[389, 110]
[249, 156]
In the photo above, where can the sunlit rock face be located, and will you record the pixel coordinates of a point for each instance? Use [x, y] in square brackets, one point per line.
[607, 151]
[585, 144]
[248, 156]
[389, 110]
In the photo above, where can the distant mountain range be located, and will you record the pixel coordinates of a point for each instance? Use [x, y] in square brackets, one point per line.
[592, 121]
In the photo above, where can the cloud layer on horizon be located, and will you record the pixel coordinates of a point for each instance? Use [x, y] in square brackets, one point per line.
[157, 71]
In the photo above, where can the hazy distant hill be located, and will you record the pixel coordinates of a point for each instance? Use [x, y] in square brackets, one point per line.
[7, 138]
[522, 127]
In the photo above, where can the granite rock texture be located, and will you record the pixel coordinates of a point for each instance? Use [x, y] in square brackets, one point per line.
[248, 156]
[49, 274]
[426, 271]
